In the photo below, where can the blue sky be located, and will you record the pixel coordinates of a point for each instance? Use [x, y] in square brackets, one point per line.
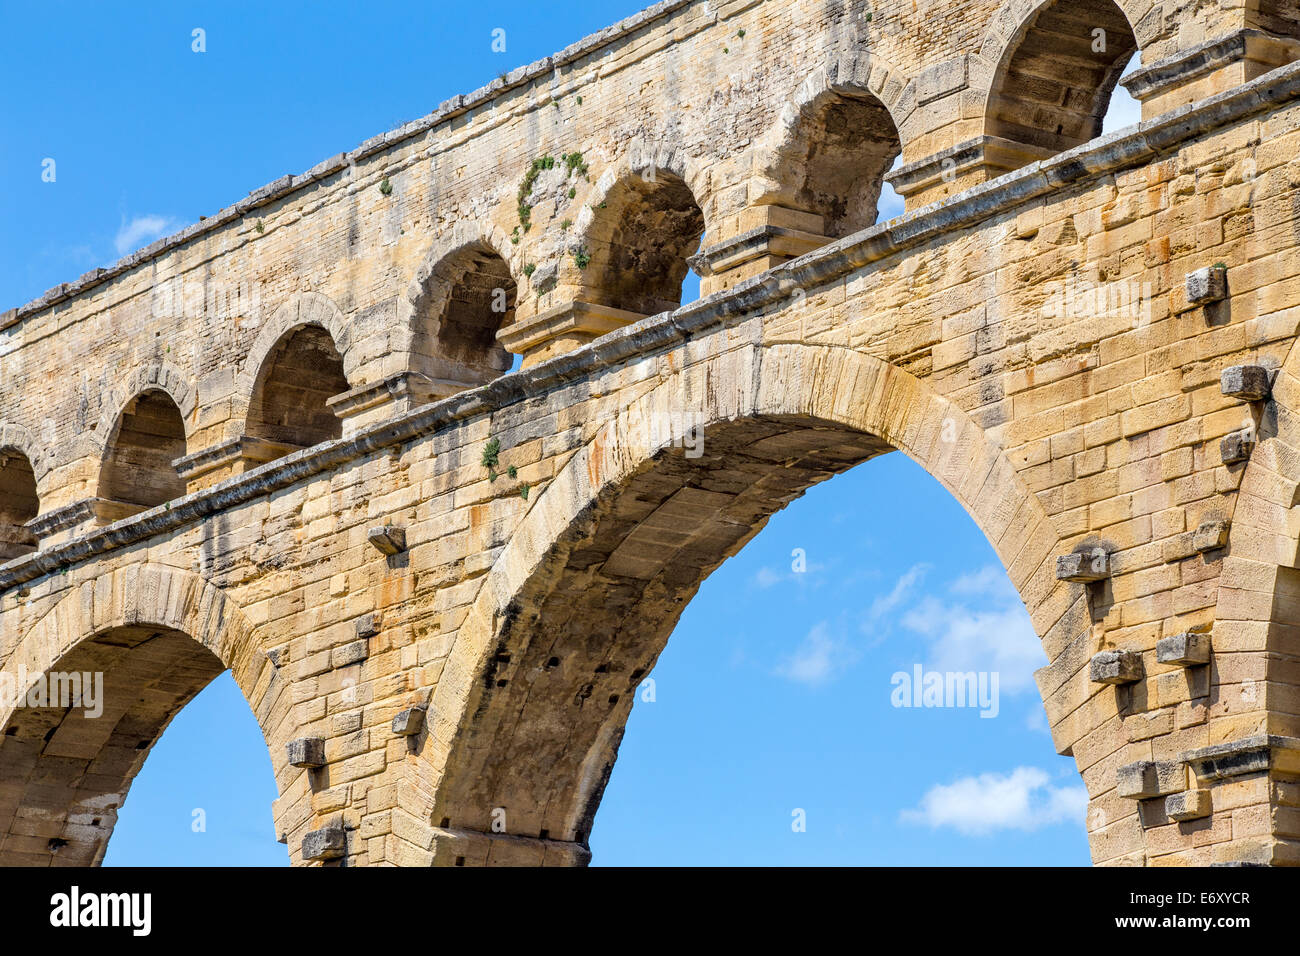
[774, 693]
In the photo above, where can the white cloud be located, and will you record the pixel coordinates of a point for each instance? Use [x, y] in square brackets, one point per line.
[1020, 800]
[886, 603]
[988, 581]
[997, 636]
[141, 231]
[818, 658]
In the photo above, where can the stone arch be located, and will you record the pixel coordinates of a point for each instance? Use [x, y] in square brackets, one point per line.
[449, 332]
[832, 143]
[158, 635]
[19, 503]
[311, 329]
[21, 439]
[809, 412]
[161, 376]
[642, 224]
[146, 436]
[1031, 48]
[156, 376]
[301, 309]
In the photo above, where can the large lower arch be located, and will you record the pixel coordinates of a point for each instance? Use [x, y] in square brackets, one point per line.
[529, 711]
[157, 635]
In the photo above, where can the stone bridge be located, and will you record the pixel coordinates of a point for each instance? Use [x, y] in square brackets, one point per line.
[285, 441]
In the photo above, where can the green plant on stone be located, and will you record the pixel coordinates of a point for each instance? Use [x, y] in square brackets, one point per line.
[386, 187]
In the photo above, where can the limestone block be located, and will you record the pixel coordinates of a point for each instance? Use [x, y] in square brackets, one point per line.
[1207, 285]
[306, 752]
[1188, 805]
[1187, 650]
[1115, 667]
[1150, 778]
[409, 722]
[1236, 447]
[1083, 566]
[1210, 535]
[389, 539]
[1248, 383]
[328, 843]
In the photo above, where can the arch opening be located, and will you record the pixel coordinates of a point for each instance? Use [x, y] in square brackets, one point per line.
[479, 300]
[582, 635]
[81, 732]
[19, 504]
[1055, 81]
[148, 437]
[289, 404]
[836, 164]
[640, 243]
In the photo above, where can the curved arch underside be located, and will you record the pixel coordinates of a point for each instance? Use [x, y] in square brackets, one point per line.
[1056, 78]
[64, 769]
[579, 639]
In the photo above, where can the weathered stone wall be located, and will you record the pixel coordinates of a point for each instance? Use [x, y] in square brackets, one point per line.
[1031, 343]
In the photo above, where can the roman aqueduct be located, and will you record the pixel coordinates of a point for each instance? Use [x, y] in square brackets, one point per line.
[285, 441]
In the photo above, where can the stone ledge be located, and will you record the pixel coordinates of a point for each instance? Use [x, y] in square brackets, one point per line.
[991, 152]
[1209, 56]
[1248, 755]
[752, 244]
[244, 448]
[563, 329]
[464, 843]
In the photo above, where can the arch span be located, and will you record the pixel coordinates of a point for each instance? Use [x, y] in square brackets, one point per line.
[91, 687]
[832, 144]
[528, 713]
[1053, 76]
[149, 434]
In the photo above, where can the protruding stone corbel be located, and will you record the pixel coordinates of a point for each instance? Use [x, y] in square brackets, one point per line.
[1188, 805]
[1208, 285]
[1083, 566]
[409, 722]
[1237, 447]
[1115, 667]
[1190, 649]
[1150, 778]
[388, 539]
[306, 752]
[1246, 383]
[327, 843]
